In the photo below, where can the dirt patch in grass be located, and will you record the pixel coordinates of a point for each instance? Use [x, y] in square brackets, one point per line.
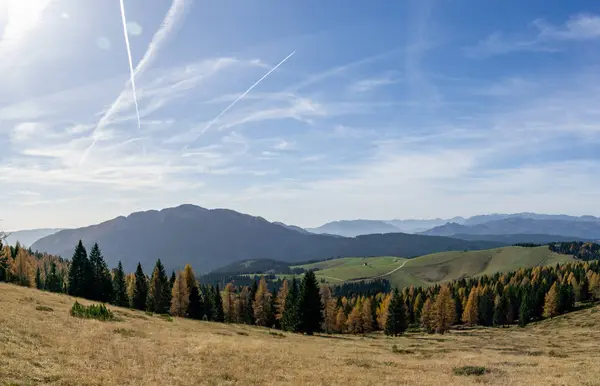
[44, 308]
[359, 363]
[398, 350]
[129, 333]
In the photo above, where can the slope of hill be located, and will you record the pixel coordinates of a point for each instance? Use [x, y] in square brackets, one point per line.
[255, 266]
[28, 237]
[292, 227]
[352, 228]
[434, 268]
[42, 344]
[579, 229]
[415, 226]
[208, 239]
[519, 238]
[482, 219]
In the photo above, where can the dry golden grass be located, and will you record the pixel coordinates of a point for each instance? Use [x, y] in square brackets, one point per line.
[51, 347]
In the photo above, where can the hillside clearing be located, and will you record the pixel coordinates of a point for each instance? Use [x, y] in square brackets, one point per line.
[52, 347]
[435, 268]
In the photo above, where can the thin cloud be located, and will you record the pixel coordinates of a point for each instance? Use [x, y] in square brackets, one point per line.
[581, 27]
[174, 15]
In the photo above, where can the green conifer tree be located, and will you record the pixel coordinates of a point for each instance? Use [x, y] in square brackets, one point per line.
[290, 320]
[195, 308]
[80, 276]
[396, 321]
[101, 281]
[159, 292]
[53, 281]
[309, 304]
[140, 291]
[217, 305]
[120, 288]
[39, 284]
[524, 309]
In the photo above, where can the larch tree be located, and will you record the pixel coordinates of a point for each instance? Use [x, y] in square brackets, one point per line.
[180, 296]
[281, 295]
[119, 287]
[245, 312]
[444, 310]
[229, 303]
[418, 306]
[262, 304]
[309, 304]
[470, 314]
[325, 293]
[160, 292]
[551, 302]
[382, 311]
[330, 316]
[354, 322]
[140, 289]
[499, 307]
[427, 317]
[367, 316]
[340, 321]
[130, 280]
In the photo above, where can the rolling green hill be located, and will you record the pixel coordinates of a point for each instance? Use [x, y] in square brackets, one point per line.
[434, 268]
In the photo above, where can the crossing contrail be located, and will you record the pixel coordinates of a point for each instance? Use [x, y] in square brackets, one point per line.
[169, 23]
[131, 73]
[215, 119]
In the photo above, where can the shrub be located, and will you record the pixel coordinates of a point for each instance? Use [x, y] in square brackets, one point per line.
[470, 370]
[95, 311]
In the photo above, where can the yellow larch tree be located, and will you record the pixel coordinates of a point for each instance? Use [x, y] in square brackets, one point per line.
[340, 321]
[130, 282]
[354, 322]
[229, 303]
[179, 296]
[281, 295]
[367, 316]
[331, 315]
[470, 314]
[382, 310]
[551, 302]
[427, 316]
[262, 303]
[444, 310]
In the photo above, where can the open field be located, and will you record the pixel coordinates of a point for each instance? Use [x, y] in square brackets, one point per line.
[40, 343]
[435, 268]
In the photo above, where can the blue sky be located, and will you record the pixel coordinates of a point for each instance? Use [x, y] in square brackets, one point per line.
[397, 109]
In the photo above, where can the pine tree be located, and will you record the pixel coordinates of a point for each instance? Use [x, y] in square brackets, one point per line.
[80, 273]
[290, 319]
[427, 317]
[470, 315]
[551, 302]
[272, 320]
[309, 304]
[172, 281]
[160, 292]
[140, 290]
[217, 305]
[195, 308]
[262, 304]
[485, 307]
[4, 255]
[524, 310]
[444, 310]
[120, 287]
[53, 283]
[101, 280]
[39, 284]
[396, 321]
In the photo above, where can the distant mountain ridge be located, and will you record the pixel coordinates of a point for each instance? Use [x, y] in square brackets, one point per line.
[28, 237]
[579, 229]
[209, 239]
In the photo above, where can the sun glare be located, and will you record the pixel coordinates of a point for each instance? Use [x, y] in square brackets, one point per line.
[22, 16]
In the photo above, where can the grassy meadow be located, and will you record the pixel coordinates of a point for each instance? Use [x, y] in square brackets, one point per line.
[435, 268]
[40, 343]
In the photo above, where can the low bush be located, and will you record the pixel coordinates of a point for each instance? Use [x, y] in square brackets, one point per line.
[95, 311]
[470, 370]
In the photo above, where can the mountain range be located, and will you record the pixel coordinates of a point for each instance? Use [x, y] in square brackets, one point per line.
[209, 239]
[28, 237]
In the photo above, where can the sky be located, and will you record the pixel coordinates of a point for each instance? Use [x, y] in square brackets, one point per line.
[379, 110]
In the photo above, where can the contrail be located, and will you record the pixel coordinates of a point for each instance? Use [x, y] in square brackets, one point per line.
[174, 14]
[215, 119]
[137, 110]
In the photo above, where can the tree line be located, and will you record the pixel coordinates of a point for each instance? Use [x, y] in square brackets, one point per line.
[304, 306]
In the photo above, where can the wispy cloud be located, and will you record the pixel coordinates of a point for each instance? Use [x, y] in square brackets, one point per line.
[547, 37]
[365, 85]
[174, 15]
